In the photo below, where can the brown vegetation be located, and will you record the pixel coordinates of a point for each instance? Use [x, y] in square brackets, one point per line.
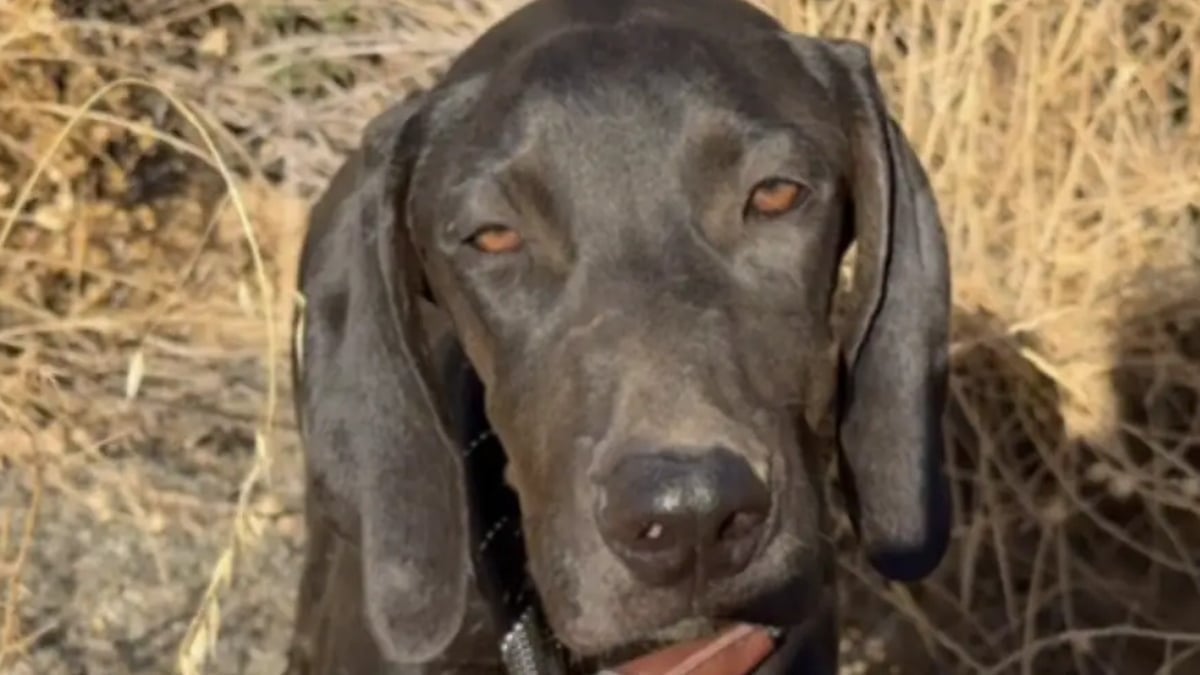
[156, 158]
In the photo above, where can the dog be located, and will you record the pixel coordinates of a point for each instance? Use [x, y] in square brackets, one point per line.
[605, 248]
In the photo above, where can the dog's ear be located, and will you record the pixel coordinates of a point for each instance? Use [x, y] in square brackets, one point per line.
[895, 337]
[376, 438]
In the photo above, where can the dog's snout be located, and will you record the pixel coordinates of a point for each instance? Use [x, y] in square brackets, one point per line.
[670, 516]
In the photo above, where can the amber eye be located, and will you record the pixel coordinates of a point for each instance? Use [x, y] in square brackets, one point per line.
[495, 239]
[775, 197]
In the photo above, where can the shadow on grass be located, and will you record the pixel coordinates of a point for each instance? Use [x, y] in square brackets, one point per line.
[1072, 554]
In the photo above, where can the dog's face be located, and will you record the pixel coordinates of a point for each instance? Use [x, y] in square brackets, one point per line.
[640, 263]
[635, 230]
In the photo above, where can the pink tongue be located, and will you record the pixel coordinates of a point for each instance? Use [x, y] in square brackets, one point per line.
[736, 651]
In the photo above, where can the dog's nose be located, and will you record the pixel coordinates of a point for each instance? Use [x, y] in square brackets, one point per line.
[671, 515]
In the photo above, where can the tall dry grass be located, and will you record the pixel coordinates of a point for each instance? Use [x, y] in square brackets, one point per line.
[1063, 139]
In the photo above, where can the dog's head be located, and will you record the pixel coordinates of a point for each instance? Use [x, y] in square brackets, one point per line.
[635, 229]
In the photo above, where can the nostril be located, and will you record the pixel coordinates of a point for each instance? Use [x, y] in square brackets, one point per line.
[741, 524]
[650, 536]
[652, 532]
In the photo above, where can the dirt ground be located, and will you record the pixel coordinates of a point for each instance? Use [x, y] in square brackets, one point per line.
[117, 583]
[143, 445]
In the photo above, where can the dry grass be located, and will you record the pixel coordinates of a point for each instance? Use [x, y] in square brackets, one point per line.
[138, 446]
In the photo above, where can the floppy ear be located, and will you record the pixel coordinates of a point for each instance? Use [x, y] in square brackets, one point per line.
[376, 438]
[895, 342]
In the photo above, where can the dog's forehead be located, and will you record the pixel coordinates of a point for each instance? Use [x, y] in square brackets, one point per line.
[642, 52]
[635, 70]
[632, 86]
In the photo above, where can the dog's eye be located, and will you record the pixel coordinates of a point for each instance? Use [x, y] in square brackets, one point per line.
[774, 197]
[495, 239]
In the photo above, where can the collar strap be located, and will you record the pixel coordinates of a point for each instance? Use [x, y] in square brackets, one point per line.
[528, 649]
[527, 646]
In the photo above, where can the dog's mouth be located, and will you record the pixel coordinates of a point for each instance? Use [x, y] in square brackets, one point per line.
[735, 646]
[691, 647]
[736, 650]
